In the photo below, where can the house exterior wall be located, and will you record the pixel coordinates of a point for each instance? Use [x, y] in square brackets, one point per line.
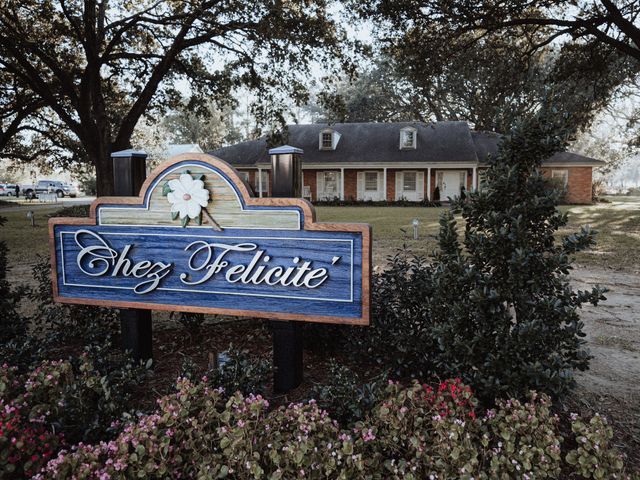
[391, 185]
[309, 180]
[578, 187]
[351, 184]
[579, 183]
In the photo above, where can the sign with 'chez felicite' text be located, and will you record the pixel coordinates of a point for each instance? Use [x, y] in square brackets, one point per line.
[196, 240]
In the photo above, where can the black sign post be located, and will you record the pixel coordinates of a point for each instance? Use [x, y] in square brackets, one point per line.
[129, 173]
[286, 181]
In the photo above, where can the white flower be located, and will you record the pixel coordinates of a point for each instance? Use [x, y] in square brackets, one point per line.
[187, 196]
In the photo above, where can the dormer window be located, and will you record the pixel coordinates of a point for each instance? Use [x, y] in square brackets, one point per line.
[328, 139]
[408, 137]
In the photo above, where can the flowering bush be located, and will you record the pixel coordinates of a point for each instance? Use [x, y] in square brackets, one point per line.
[26, 440]
[522, 439]
[414, 432]
[594, 458]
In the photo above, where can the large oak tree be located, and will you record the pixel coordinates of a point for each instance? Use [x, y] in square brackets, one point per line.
[86, 71]
[492, 61]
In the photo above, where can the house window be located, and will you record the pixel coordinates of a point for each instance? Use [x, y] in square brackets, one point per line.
[328, 139]
[244, 176]
[265, 181]
[409, 181]
[560, 176]
[370, 181]
[331, 183]
[408, 138]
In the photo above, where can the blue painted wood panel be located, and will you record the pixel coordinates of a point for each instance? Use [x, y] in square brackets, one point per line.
[204, 268]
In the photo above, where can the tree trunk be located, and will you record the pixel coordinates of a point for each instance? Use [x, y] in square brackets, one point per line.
[104, 172]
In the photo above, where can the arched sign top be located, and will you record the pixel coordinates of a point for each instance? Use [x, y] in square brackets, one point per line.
[197, 240]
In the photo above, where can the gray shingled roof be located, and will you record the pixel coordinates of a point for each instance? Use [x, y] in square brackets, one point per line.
[487, 143]
[439, 142]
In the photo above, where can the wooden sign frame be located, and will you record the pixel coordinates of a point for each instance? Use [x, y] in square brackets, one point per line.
[248, 202]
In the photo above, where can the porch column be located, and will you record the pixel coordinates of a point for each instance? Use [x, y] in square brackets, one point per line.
[429, 183]
[260, 182]
[384, 176]
[342, 184]
[474, 179]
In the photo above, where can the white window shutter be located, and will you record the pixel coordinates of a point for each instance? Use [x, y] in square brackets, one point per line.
[360, 193]
[319, 185]
[399, 192]
[420, 186]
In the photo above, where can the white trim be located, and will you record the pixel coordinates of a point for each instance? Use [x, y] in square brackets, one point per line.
[410, 165]
[443, 197]
[375, 195]
[381, 165]
[260, 182]
[342, 184]
[384, 189]
[429, 183]
[564, 174]
[569, 165]
[474, 179]
[415, 195]
[415, 138]
[335, 138]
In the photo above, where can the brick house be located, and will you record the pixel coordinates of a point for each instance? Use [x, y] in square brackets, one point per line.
[393, 161]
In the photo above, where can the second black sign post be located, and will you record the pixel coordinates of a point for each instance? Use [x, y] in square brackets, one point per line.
[286, 182]
[129, 173]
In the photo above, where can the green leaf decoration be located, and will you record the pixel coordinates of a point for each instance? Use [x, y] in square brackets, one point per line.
[174, 215]
[185, 221]
[166, 189]
[200, 177]
[199, 218]
[188, 171]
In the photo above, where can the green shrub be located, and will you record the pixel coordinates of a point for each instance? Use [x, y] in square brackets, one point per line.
[346, 396]
[483, 304]
[241, 372]
[72, 211]
[399, 338]
[77, 398]
[13, 324]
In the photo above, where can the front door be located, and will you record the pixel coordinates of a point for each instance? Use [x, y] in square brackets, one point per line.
[450, 183]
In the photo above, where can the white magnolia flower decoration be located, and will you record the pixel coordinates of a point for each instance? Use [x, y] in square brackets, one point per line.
[187, 196]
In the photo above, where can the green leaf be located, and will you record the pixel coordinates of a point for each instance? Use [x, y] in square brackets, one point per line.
[200, 177]
[199, 218]
[185, 221]
[166, 189]
[174, 215]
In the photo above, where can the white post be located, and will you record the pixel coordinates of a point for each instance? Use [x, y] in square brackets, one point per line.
[384, 175]
[342, 184]
[260, 182]
[429, 183]
[474, 179]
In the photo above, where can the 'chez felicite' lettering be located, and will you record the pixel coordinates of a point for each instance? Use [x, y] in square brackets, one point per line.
[97, 258]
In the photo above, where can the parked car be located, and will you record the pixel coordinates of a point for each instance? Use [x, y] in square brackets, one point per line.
[49, 186]
[7, 189]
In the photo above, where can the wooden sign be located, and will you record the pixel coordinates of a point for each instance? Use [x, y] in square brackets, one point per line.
[196, 240]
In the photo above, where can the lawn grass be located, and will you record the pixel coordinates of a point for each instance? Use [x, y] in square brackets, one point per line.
[25, 242]
[618, 238]
[618, 224]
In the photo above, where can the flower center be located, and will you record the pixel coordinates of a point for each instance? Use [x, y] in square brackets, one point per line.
[186, 197]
